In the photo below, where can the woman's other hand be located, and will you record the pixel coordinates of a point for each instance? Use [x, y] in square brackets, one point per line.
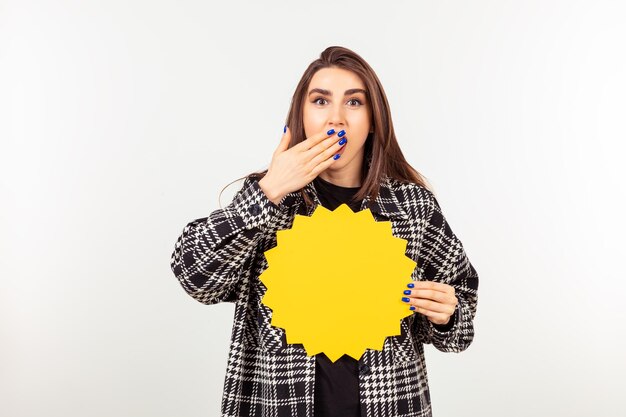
[293, 168]
[435, 300]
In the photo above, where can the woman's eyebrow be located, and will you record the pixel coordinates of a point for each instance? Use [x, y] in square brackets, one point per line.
[346, 93]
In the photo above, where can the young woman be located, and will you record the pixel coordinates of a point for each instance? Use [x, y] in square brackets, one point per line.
[338, 147]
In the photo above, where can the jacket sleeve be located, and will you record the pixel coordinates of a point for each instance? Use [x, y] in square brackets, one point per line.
[212, 251]
[442, 258]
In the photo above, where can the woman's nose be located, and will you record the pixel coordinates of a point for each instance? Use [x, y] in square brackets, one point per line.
[336, 119]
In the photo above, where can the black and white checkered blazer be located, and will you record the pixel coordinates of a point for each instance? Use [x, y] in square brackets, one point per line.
[219, 259]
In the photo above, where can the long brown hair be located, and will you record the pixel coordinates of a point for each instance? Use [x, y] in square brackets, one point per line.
[382, 154]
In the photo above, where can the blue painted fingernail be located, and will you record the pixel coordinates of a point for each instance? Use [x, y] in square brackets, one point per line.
[342, 141]
[330, 132]
[407, 292]
[340, 134]
[284, 128]
[406, 300]
[412, 308]
[336, 157]
[411, 285]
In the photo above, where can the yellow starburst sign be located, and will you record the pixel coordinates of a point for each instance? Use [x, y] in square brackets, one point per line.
[335, 281]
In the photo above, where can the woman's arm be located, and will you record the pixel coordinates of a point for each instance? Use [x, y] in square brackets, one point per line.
[442, 258]
[211, 252]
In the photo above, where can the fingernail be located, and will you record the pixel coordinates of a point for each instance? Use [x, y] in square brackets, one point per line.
[342, 141]
[285, 129]
[412, 308]
[336, 157]
[340, 134]
[406, 300]
[411, 285]
[330, 132]
[407, 292]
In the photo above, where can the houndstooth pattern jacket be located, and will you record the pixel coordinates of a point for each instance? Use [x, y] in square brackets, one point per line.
[219, 259]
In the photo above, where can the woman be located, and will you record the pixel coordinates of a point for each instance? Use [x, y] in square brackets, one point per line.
[338, 147]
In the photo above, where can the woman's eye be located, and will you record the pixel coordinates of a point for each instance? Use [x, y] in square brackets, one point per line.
[357, 100]
[318, 99]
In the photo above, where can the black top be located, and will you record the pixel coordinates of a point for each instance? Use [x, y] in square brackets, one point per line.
[336, 384]
[332, 196]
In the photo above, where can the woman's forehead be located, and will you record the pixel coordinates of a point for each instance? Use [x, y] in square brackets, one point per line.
[336, 80]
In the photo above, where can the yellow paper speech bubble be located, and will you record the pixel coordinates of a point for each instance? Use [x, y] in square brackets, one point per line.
[335, 281]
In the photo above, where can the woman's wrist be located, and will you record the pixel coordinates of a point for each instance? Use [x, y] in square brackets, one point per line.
[270, 192]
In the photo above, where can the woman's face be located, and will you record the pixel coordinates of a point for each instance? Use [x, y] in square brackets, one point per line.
[336, 99]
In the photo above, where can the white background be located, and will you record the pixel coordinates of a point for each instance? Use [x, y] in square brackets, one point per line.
[120, 122]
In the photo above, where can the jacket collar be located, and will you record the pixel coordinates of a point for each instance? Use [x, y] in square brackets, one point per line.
[385, 204]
